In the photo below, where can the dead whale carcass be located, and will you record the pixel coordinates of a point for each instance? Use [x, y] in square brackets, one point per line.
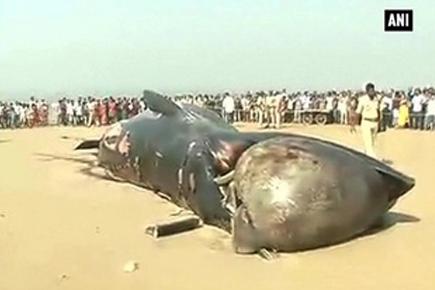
[192, 156]
[299, 193]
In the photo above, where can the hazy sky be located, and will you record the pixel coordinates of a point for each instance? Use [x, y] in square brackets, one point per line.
[51, 47]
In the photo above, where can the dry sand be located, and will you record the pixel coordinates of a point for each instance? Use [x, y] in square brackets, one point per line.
[63, 229]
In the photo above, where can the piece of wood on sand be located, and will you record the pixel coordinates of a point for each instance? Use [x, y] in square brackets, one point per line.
[174, 226]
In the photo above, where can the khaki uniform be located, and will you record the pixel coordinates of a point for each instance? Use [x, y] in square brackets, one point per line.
[261, 109]
[271, 110]
[369, 111]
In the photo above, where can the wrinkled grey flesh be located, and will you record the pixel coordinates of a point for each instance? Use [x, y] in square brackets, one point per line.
[229, 200]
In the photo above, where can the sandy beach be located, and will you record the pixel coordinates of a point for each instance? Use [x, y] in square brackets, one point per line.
[61, 228]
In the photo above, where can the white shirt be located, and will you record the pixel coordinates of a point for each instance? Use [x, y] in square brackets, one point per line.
[21, 111]
[290, 104]
[260, 102]
[245, 104]
[69, 109]
[78, 109]
[55, 106]
[388, 101]
[199, 102]
[228, 104]
[417, 103]
[329, 103]
[342, 105]
[29, 112]
[271, 101]
[16, 108]
[91, 107]
[430, 110]
[306, 102]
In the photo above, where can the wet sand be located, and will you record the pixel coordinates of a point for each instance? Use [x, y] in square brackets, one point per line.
[63, 229]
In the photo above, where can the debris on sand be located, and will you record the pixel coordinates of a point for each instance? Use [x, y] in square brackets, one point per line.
[131, 266]
[63, 277]
[268, 255]
[175, 225]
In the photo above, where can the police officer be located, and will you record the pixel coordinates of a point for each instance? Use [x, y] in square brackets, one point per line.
[368, 109]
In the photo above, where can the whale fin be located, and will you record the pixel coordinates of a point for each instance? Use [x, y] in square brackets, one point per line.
[397, 184]
[160, 104]
[88, 144]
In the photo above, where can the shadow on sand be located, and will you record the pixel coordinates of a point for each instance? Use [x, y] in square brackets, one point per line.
[91, 169]
[82, 160]
[5, 141]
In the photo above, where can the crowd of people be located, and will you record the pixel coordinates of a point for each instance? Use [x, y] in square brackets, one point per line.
[413, 108]
[90, 111]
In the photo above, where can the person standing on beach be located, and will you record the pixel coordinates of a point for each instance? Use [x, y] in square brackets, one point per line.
[403, 121]
[92, 120]
[78, 111]
[112, 110]
[70, 112]
[281, 108]
[228, 105]
[368, 109]
[353, 116]
[271, 108]
[261, 108]
[395, 108]
[417, 116]
[430, 113]
[298, 109]
[342, 108]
